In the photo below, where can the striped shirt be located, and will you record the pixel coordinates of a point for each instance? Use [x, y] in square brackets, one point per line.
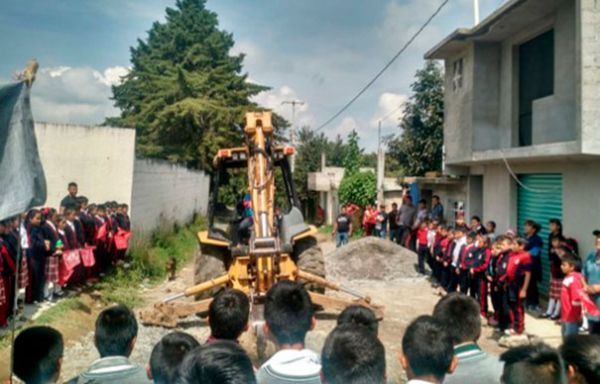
[474, 366]
[291, 366]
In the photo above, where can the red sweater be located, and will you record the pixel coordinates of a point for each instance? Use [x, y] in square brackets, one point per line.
[570, 298]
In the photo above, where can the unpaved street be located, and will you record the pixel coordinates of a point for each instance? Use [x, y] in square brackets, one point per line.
[403, 298]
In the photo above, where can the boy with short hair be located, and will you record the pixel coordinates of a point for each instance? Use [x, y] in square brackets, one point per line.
[115, 336]
[479, 267]
[438, 249]
[460, 242]
[427, 351]
[448, 245]
[459, 315]
[570, 295]
[228, 315]
[221, 362]
[359, 315]
[353, 355]
[289, 315]
[464, 264]
[37, 355]
[167, 356]
[518, 275]
[534, 363]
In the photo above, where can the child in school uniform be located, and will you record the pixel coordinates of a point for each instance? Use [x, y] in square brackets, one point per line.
[556, 278]
[39, 246]
[422, 248]
[518, 276]
[4, 279]
[479, 267]
[438, 254]
[432, 237]
[571, 294]
[51, 286]
[460, 243]
[466, 258]
[446, 260]
[501, 311]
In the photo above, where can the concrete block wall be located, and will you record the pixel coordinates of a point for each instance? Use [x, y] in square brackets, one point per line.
[588, 47]
[164, 192]
[99, 159]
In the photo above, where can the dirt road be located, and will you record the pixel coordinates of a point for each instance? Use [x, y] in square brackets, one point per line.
[404, 299]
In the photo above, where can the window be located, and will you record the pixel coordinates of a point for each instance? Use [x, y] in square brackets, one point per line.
[536, 80]
[457, 75]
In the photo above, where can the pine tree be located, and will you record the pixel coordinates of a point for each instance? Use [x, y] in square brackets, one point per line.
[418, 149]
[353, 155]
[185, 92]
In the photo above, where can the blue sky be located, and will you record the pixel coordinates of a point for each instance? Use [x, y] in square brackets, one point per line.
[318, 51]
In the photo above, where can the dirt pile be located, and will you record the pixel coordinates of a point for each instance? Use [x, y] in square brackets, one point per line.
[371, 258]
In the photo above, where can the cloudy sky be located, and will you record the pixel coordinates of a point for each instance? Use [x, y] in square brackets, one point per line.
[318, 51]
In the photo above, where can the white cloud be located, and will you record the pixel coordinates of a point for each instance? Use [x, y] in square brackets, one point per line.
[390, 107]
[347, 125]
[273, 99]
[75, 95]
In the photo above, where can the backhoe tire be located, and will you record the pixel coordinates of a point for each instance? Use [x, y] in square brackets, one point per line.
[308, 256]
[210, 263]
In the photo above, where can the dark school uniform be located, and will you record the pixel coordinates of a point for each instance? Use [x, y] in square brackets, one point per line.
[534, 247]
[479, 281]
[464, 274]
[518, 265]
[73, 243]
[11, 242]
[37, 264]
[422, 249]
[499, 291]
[438, 253]
[52, 259]
[4, 302]
[448, 269]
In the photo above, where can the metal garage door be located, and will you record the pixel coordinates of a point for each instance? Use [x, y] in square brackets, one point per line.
[540, 199]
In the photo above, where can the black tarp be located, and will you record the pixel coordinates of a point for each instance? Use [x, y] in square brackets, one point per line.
[22, 181]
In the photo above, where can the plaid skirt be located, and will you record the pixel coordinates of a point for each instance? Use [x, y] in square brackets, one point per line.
[23, 272]
[555, 287]
[2, 292]
[52, 269]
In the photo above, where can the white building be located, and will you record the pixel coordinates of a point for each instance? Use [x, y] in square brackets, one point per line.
[522, 114]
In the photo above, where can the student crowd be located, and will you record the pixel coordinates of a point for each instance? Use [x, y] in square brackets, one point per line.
[505, 270]
[437, 348]
[59, 249]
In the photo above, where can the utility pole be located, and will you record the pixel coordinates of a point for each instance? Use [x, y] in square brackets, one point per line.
[380, 166]
[293, 103]
[476, 11]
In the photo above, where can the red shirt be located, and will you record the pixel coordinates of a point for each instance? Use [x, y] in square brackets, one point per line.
[570, 298]
[422, 236]
[518, 265]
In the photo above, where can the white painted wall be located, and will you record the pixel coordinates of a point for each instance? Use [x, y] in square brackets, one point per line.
[164, 192]
[99, 159]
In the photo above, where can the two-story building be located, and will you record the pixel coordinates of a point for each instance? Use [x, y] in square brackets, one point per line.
[522, 114]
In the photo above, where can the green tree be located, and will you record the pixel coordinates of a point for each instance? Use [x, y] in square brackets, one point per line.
[308, 159]
[418, 149]
[353, 155]
[359, 188]
[185, 92]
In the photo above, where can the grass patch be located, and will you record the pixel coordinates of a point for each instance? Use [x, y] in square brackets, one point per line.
[148, 257]
[326, 229]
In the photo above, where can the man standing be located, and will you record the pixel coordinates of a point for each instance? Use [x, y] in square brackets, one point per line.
[392, 216]
[69, 201]
[381, 222]
[342, 228]
[406, 218]
[437, 209]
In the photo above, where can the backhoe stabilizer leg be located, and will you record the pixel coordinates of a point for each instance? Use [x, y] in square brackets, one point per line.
[318, 280]
[199, 288]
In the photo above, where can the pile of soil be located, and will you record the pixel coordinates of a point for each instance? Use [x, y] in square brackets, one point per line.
[371, 258]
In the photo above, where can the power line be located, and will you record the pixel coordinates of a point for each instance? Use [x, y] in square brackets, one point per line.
[385, 68]
[391, 113]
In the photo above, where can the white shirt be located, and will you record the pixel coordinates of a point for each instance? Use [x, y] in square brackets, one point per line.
[415, 381]
[24, 237]
[457, 248]
[291, 366]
